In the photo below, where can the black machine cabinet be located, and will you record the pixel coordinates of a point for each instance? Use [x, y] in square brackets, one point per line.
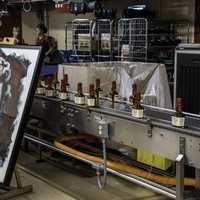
[187, 77]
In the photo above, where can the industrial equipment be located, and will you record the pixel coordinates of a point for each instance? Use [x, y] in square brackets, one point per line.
[187, 71]
[116, 125]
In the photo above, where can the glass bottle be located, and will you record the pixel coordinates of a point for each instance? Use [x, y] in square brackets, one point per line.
[91, 100]
[98, 91]
[178, 119]
[49, 92]
[67, 86]
[114, 93]
[79, 97]
[134, 90]
[137, 108]
[63, 92]
[40, 88]
[56, 85]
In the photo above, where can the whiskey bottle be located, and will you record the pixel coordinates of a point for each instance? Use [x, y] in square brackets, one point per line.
[43, 83]
[49, 92]
[63, 92]
[67, 86]
[79, 97]
[56, 85]
[40, 88]
[114, 93]
[134, 90]
[178, 119]
[98, 91]
[91, 100]
[137, 109]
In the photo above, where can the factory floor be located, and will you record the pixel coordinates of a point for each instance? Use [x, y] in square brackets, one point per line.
[69, 183]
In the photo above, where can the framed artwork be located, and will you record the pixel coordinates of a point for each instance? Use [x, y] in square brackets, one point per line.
[19, 71]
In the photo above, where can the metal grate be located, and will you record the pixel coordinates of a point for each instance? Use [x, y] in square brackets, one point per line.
[132, 39]
[104, 35]
[82, 38]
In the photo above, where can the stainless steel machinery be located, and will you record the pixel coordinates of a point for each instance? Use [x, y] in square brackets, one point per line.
[153, 133]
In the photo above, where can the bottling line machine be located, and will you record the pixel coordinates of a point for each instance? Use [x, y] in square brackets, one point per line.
[153, 133]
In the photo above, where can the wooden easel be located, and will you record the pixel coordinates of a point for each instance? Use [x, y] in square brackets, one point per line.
[11, 192]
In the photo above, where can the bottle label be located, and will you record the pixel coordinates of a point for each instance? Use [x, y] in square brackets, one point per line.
[137, 113]
[49, 93]
[117, 98]
[178, 121]
[63, 95]
[40, 91]
[79, 100]
[91, 102]
[57, 86]
[43, 83]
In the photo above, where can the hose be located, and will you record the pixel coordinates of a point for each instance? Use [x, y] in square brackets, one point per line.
[164, 180]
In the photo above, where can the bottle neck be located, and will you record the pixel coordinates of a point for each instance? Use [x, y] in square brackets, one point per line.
[63, 86]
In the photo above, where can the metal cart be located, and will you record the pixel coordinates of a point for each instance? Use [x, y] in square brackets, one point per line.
[104, 34]
[132, 39]
[81, 38]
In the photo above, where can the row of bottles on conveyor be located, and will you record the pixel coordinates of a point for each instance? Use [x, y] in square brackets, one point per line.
[52, 88]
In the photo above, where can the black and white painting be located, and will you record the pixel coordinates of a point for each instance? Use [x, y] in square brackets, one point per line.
[18, 73]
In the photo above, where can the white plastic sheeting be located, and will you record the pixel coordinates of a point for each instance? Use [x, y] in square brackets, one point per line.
[150, 77]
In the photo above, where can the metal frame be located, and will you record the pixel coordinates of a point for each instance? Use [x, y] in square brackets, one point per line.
[183, 142]
[187, 49]
[135, 32]
[104, 26]
[27, 106]
[11, 192]
[82, 26]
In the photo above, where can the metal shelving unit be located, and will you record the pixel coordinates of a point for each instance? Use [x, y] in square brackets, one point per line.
[132, 39]
[104, 34]
[82, 39]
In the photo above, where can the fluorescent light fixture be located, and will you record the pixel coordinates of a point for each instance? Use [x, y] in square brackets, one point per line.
[137, 7]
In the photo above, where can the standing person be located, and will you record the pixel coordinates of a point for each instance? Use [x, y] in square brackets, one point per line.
[49, 45]
[17, 36]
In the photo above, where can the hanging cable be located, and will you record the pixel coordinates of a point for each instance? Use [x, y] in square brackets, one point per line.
[27, 6]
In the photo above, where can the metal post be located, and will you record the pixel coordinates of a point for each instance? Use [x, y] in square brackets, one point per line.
[197, 177]
[46, 18]
[17, 177]
[180, 171]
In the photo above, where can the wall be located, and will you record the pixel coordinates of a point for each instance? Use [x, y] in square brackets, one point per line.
[167, 9]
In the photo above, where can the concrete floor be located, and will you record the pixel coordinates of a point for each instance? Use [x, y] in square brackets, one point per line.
[71, 184]
[41, 190]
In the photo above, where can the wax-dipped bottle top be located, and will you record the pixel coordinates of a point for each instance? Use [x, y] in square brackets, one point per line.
[99, 91]
[114, 93]
[40, 88]
[79, 97]
[91, 100]
[134, 90]
[178, 119]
